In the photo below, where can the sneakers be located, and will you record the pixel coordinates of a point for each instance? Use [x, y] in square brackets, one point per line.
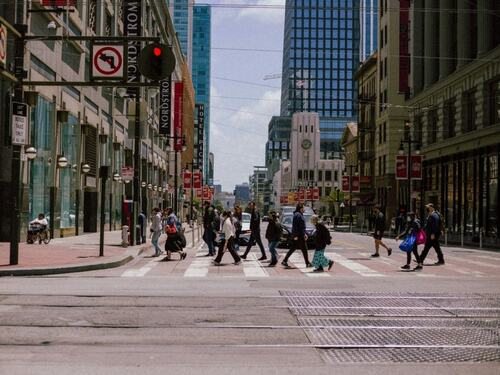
[319, 269]
[243, 257]
[405, 267]
[183, 256]
[330, 265]
[309, 265]
[439, 263]
[215, 263]
[376, 255]
[237, 263]
[272, 264]
[389, 252]
[285, 264]
[262, 258]
[418, 268]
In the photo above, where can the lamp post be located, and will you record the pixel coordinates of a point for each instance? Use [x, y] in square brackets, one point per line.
[169, 148]
[350, 167]
[401, 151]
[192, 190]
[84, 169]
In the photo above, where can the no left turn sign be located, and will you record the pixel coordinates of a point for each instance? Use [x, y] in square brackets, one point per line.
[107, 61]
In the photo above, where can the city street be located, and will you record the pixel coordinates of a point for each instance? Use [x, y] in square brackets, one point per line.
[152, 317]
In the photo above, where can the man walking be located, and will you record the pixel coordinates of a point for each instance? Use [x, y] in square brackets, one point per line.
[432, 229]
[156, 228]
[299, 236]
[208, 229]
[255, 232]
[379, 232]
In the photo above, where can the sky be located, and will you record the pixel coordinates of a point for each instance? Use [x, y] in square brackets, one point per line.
[240, 112]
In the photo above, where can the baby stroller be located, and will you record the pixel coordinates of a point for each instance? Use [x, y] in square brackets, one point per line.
[175, 243]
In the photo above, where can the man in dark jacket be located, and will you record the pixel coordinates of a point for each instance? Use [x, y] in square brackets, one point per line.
[208, 230]
[432, 229]
[255, 232]
[273, 235]
[379, 232]
[299, 236]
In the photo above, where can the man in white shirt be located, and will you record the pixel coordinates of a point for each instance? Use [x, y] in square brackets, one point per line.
[156, 228]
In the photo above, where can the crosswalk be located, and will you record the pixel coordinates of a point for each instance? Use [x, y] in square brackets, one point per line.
[348, 262]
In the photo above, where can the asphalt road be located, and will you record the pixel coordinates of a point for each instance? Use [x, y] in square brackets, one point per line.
[366, 316]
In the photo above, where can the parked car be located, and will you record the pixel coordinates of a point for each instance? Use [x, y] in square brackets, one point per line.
[286, 231]
[265, 219]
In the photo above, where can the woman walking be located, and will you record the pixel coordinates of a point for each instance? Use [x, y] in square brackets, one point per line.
[323, 238]
[175, 242]
[227, 242]
[273, 236]
[156, 228]
[413, 226]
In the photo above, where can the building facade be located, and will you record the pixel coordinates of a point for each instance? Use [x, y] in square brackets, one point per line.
[320, 57]
[242, 193]
[368, 19]
[201, 70]
[456, 114]
[182, 15]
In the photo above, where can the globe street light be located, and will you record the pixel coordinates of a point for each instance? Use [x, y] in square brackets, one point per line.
[30, 152]
[62, 161]
[85, 168]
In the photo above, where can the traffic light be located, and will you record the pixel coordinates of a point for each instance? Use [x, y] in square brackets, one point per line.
[156, 61]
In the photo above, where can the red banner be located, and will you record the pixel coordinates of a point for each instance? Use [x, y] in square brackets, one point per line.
[186, 178]
[309, 194]
[178, 97]
[301, 195]
[197, 180]
[404, 50]
[198, 193]
[355, 184]
[416, 167]
[59, 3]
[315, 194]
[291, 198]
[345, 184]
[401, 167]
[207, 194]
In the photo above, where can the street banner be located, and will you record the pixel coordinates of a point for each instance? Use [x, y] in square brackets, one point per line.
[345, 183]
[291, 197]
[186, 178]
[401, 167]
[296, 196]
[315, 193]
[132, 16]
[197, 180]
[200, 128]
[404, 45]
[301, 195]
[59, 3]
[127, 173]
[198, 193]
[416, 167]
[309, 194]
[178, 97]
[19, 123]
[355, 184]
[165, 106]
[206, 193]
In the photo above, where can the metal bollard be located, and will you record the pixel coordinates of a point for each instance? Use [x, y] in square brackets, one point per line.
[480, 238]
[462, 233]
[446, 237]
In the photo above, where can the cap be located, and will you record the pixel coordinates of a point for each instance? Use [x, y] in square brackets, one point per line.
[429, 205]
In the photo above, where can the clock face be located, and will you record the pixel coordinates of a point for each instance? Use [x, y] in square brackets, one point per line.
[306, 144]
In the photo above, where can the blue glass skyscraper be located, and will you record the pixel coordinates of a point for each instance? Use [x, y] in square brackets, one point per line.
[320, 58]
[201, 69]
[368, 17]
[182, 14]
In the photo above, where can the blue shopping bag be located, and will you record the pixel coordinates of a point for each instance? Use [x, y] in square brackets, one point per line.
[407, 244]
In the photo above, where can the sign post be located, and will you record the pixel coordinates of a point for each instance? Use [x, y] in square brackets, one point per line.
[19, 123]
[108, 61]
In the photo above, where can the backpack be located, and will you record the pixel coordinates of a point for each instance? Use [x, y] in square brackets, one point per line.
[442, 227]
[170, 229]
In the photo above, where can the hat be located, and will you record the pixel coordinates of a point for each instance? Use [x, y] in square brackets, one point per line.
[429, 205]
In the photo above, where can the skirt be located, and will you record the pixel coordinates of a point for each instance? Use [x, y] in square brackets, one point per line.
[319, 259]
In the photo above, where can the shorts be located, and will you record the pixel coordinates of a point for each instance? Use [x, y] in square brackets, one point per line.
[378, 236]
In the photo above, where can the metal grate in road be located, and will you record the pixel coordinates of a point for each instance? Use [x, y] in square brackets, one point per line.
[411, 355]
[375, 312]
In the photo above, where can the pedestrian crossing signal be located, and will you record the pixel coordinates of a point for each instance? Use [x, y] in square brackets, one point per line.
[156, 61]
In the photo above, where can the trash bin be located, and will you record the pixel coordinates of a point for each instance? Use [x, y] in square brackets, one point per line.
[125, 235]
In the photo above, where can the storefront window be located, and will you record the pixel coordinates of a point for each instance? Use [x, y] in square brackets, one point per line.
[70, 140]
[42, 168]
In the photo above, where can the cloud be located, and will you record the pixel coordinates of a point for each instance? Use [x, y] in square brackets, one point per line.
[264, 11]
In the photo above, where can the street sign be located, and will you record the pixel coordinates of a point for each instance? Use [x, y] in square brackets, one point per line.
[107, 61]
[3, 45]
[19, 123]
[127, 173]
[165, 105]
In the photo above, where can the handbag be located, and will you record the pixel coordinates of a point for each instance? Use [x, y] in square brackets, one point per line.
[421, 237]
[408, 243]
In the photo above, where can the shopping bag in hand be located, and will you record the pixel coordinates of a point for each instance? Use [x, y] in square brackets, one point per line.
[407, 244]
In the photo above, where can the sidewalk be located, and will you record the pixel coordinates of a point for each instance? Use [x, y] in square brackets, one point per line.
[74, 254]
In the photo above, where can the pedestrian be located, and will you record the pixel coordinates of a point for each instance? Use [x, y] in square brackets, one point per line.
[299, 236]
[237, 219]
[172, 219]
[433, 228]
[208, 229]
[379, 232]
[156, 229]
[413, 226]
[227, 240]
[175, 242]
[273, 236]
[255, 232]
[322, 240]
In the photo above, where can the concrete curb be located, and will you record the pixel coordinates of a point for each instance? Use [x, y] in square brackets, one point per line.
[113, 262]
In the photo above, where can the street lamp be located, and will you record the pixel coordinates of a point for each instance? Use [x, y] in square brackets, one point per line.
[62, 161]
[401, 151]
[85, 168]
[117, 177]
[30, 153]
[143, 184]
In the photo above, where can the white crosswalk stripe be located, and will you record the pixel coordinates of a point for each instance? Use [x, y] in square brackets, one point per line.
[141, 271]
[298, 261]
[354, 266]
[253, 268]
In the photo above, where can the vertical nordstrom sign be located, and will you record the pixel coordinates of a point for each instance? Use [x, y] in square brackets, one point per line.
[132, 27]
[165, 105]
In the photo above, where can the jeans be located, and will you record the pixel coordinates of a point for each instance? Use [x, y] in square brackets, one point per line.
[300, 243]
[208, 237]
[414, 250]
[435, 244]
[154, 241]
[274, 253]
[255, 236]
[230, 248]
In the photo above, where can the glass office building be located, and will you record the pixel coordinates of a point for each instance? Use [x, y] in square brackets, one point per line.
[368, 17]
[320, 57]
[182, 14]
[201, 69]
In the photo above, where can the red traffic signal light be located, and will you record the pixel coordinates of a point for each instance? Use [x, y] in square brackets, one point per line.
[156, 61]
